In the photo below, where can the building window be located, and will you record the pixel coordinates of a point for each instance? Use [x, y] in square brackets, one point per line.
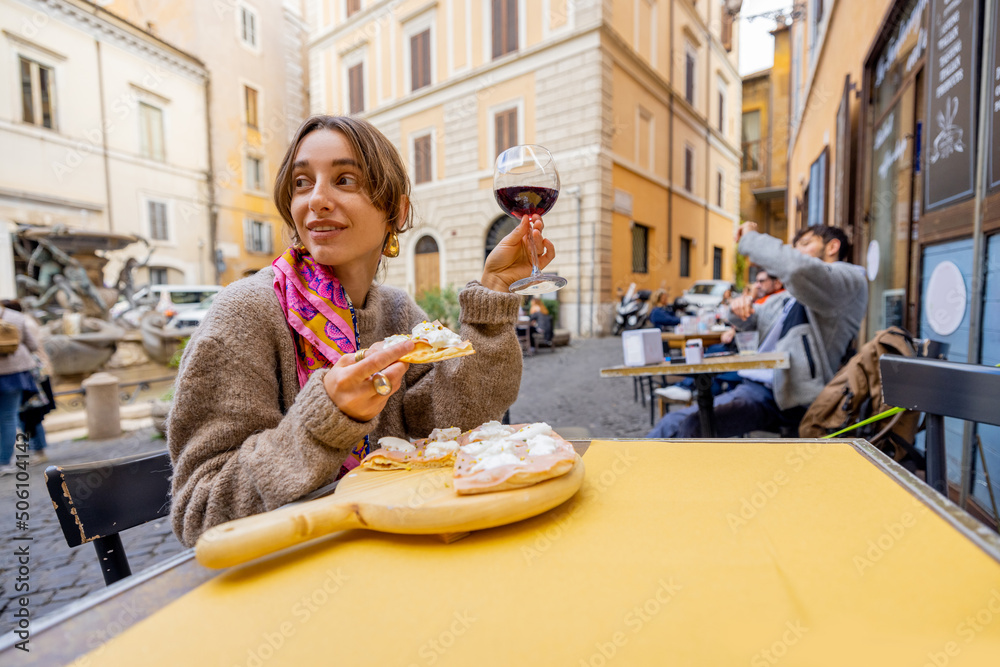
[352, 7]
[253, 178]
[504, 27]
[689, 169]
[720, 180]
[37, 94]
[751, 141]
[248, 27]
[685, 258]
[420, 60]
[157, 212]
[816, 198]
[257, 236]
[640, 248]
[717, 263]
[158, 275]
[151, 132]
[505, 124]
[721, 120]
[250, 106]
[690, 62]
[422, 159]
[356, 88]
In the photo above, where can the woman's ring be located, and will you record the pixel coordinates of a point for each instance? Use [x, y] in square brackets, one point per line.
[382, 385]
[359, 355]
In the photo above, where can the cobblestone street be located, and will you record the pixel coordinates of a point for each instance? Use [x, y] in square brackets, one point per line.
[561, 387]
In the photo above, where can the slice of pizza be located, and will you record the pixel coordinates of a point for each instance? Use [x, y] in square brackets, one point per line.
[438, 450]
[495, 457]
[432, 342]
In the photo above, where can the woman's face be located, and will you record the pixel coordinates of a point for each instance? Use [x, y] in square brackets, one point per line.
[334, 218]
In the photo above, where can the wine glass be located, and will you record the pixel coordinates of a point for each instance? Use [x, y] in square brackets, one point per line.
[525, 182]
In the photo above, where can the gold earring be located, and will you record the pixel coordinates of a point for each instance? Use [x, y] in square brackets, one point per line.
[391, 247]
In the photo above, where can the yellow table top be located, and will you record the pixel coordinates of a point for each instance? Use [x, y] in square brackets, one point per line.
[679, 553]
[726, 364]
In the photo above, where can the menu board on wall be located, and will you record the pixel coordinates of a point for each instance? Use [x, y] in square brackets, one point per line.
[951, 106]
[995, 116]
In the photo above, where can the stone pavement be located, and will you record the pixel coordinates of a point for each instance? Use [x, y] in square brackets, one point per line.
[561, 387]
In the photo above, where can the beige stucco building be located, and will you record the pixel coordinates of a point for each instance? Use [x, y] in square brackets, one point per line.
[253, 50]
[102, 127]
[638, 100]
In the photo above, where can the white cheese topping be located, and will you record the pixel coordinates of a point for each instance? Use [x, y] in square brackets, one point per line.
[495, 461]
[395, 340]
[491, 430]
[436, 335]
[445, 434]
[441, 448]
[541, 445]
[396, 444]
[531, 430]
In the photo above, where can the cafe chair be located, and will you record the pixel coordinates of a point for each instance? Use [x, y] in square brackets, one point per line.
[940, 389]
[94, 502]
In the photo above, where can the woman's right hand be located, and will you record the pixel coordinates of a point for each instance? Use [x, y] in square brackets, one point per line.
[349, 382]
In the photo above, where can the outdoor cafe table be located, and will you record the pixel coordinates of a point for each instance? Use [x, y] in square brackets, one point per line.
[704, 372]
[683, 552]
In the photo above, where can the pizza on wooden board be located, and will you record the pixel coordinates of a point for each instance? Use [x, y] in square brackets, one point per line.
[492, 457]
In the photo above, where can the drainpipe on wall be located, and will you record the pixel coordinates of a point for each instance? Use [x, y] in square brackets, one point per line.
[104, 136]
[670, 146]
[213, 213]
[708, 129]
[978, 240]
[575, 192]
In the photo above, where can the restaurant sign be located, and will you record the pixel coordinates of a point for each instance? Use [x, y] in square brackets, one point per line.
[951, 106]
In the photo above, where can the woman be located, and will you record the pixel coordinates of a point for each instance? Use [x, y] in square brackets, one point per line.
[42, 402]
[15, 381]
[272, 400]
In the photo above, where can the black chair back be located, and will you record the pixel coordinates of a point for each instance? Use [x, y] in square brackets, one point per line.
[96, 501]
[940, 389]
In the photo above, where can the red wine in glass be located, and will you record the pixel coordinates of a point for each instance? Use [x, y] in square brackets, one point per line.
[525, 182]
[526, 200]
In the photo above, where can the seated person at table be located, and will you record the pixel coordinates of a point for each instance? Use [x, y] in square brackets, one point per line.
[662, 315]
[816, 324]
[744, 316]
[541, 319]
[274, 397]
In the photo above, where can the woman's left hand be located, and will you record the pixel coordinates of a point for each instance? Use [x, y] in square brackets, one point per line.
[509, 261]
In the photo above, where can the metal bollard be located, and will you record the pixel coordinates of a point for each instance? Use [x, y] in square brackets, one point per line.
[103, 419]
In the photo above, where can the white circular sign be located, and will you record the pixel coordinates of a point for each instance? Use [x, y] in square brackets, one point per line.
[874, 256]
[946, 299]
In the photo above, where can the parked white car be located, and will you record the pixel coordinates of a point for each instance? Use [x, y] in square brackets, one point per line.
[189, 318]
[707, 293]
[166, 299]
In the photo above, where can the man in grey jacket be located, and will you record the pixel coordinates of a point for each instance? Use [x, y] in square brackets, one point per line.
[829, 298]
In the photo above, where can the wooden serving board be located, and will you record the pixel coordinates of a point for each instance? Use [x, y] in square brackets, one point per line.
[415, 502]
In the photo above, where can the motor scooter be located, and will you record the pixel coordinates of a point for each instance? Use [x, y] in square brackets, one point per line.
[632, 310]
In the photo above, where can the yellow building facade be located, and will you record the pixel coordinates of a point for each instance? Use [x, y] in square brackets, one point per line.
[638, 100]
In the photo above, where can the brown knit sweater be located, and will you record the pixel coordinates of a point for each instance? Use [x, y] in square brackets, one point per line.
[245, 438]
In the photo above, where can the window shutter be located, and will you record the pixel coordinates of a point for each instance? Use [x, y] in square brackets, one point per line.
[511, 26]
[268, 238]
[497, 28]
[501, 141]
[512, 128]
[357, 89]
[247, 235]
[727, 31]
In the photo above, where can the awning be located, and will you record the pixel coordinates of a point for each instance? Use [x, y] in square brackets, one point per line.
[769, 194]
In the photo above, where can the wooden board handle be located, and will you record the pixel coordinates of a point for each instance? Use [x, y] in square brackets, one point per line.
[245, 539]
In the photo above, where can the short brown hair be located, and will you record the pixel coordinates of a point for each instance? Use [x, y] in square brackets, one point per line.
[383, 174]
[828, 233]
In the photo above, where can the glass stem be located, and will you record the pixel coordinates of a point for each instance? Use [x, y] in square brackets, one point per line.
[528, 241]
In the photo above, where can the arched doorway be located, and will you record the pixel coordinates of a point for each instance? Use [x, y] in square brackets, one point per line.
[500, 228]
[426, 263]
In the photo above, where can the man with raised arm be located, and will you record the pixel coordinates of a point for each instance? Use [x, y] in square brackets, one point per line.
[828, 299]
